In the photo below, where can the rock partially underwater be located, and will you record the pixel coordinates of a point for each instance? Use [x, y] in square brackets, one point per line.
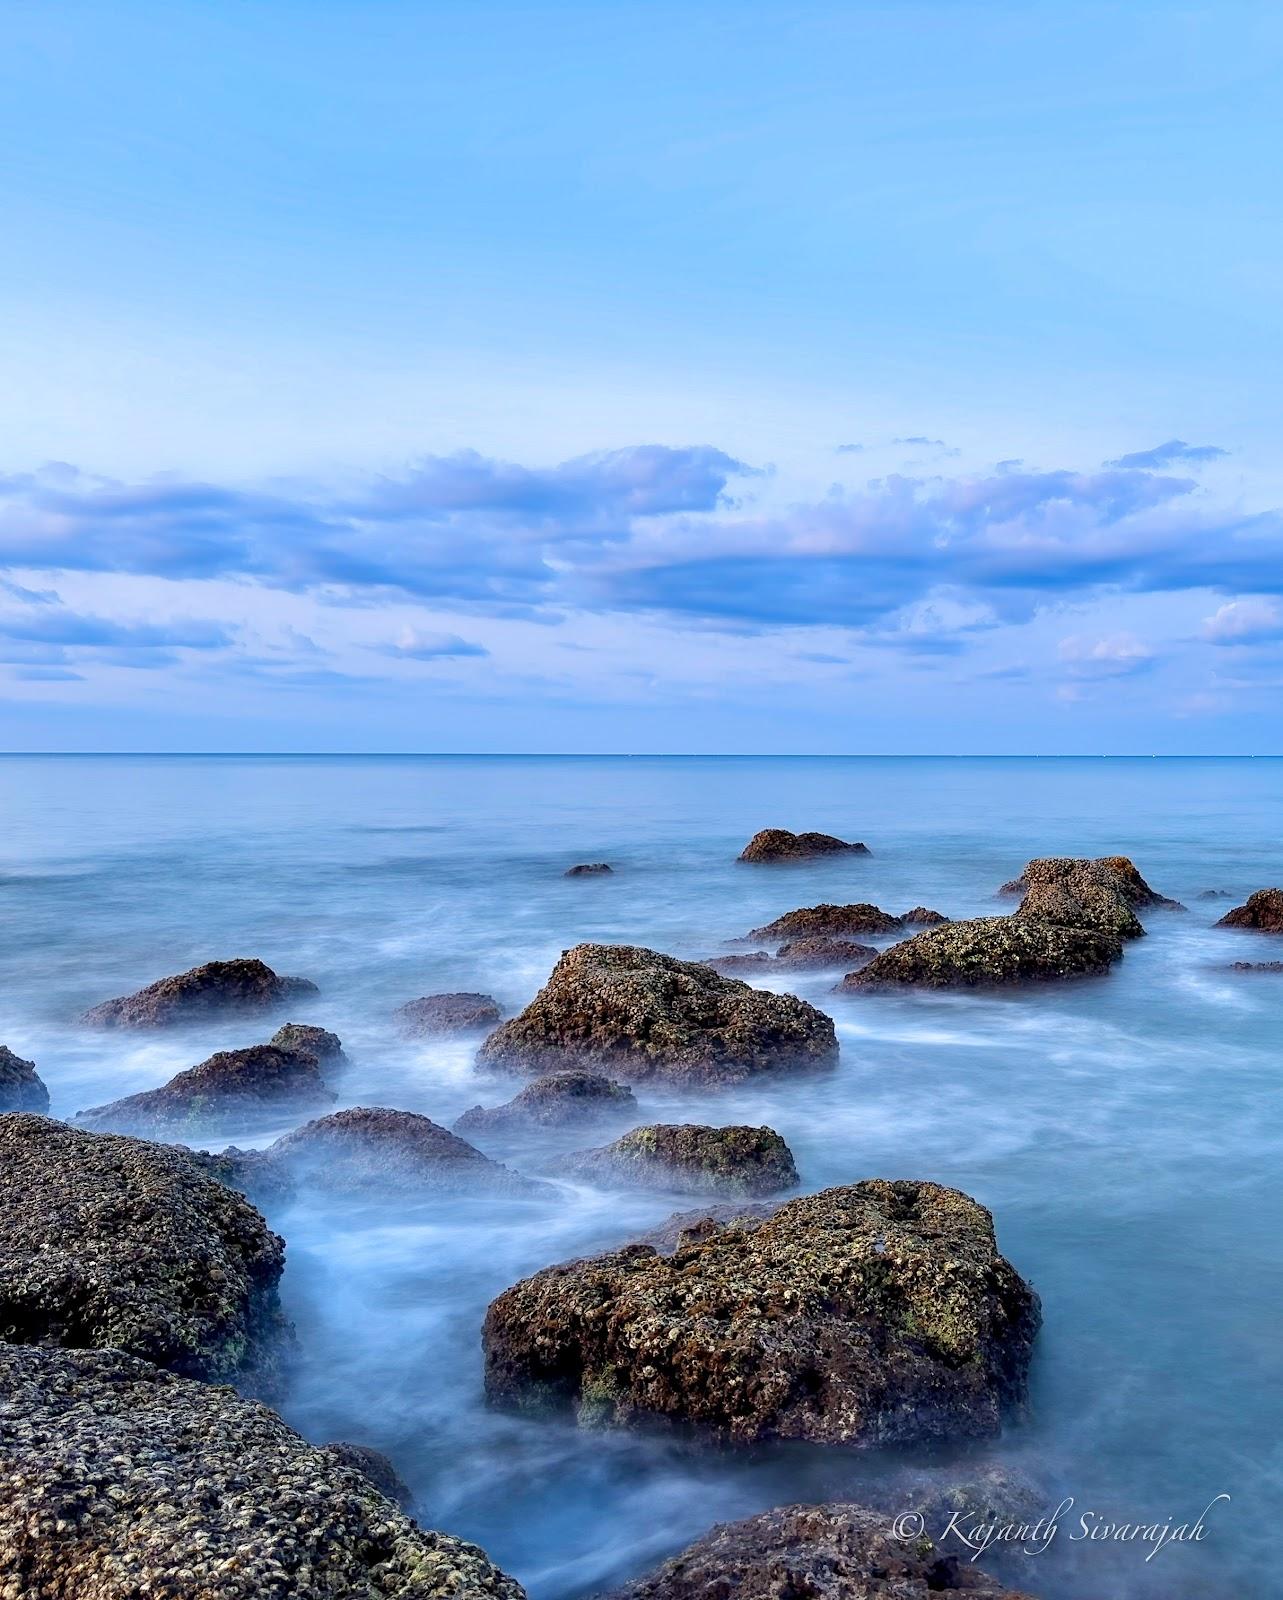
[778, 844]
[1262, 911]
[240, 985]
[557, 1100]
[691, 1158]
[443, 1016]
[837, 922]
[989, 951]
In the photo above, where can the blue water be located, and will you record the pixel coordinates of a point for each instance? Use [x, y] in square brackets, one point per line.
[1126, 1132]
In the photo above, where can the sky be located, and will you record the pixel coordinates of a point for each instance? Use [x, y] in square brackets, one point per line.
[641, 377]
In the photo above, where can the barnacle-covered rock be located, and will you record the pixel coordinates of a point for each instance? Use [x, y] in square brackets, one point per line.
[240, 985]
[557, 1100]
[21, 1088]
[1262, 911]
[305, 1039]
[442, 1016]
[983, 951]
[830, 922]
[778, 844]
[1079, 894]
[690, 1157]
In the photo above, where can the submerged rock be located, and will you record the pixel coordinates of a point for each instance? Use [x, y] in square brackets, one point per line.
[1256, 966]
[734, 1160]
[644, 1015]
[827, 1552]
[983, 951]
[778, 844]
[1079, 894]
[243, 984]
[557, 1100]
[375, 1466]
[435, 1016]
[1213, 894]
[304, 1039]
[236, 1087]
[107, 1241]
[1262, 911]
[826, 922]
[20, 1086]
[588, 869]
[798, 955]
[871, 1315]
[121, 1481]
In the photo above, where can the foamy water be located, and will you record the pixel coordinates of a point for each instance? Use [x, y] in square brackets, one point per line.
[1126, 1132]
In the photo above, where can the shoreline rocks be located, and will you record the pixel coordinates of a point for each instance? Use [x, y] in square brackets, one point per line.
[778, 844]
[557, 1100]
[240, 985]
[982, 952]
[442, 1016]
[736, 1160]
[110, 1241]
[1262, 911]
[639, 1014]
[122, 1480]
[21, 1087]
[877, 1314]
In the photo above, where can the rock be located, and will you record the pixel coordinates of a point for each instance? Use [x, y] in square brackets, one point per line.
[827, 1552]
[122, 1481]
[1128, 880]
[694, 1227]
[437, 1016]
[237, 1087]
[588, 869]
[872, 1315]
[239, 985]
[778, 844]
[747, 961]
[20, 1085]
[375, 1466]
[983, 951]
[689, 1156]
[1262, 911]
[1214, 894]
[374, 1150]
[304, 1039]
[800, 954]
[979, 1492]
[1079, 894]
[1256, 966]
[131, 1246]
[558, 1100]
[644, 1015]
[923, 917]
[828, 922]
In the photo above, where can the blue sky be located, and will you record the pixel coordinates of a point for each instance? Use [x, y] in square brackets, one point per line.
[622, 377]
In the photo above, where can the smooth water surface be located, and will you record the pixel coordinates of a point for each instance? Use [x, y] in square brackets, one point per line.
[1126, 1132]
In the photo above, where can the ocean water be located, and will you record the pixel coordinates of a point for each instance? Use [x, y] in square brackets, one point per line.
[1126, 1132]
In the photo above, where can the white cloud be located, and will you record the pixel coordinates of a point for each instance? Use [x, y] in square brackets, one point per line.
[1245, 622]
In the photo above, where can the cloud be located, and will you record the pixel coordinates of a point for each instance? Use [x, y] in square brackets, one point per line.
[1251, 621]
[849, 449]
[1118, 655]
[61, 626]
[1167, 455]
[416, 644]
[48, 675]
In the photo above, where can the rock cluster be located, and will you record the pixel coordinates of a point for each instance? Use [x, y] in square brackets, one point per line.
[876, 1314]
[440, 1016]
[984, 951]
[21, 1088]
[641, 1015]
[557, 1100]
[693, 1158]
[121, 1480]
[778, 844]
[107, 1241]
[1262, 911]
[243, 984]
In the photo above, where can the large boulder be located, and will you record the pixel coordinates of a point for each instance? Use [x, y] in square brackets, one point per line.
[122, 1481]
[305, 1039]
[106, 1241]
[443, 1016]
[20, 1086]
[1079, 894]
[693, 1158]
[778, 844]
[641, 1015]
[1262, 911]
[241, 985]
[871, 1315]
[573, 1099]
[826, 1552]
[233, 1087]
[983, 951]
[829, 922]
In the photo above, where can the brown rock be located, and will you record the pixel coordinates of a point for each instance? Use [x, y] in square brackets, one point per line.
[1079, 894]
[435, 1016]
[688, 1156]
[827, 922]
[304, 1039]
[239, 985]
[1262, 911]
[778, 844]
[557, 1100]
[982, 951]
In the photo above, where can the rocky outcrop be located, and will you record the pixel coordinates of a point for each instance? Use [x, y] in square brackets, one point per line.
[830, 922]
[984, 951]
[235, 1088]
[241, 985]
[1262, 911]
[798, 955]
[642, 1015]
[827, 1552]
[20, 1086]
[304, 1039]
[871, 1315]
[588, 869]
[106, 1241]
[1079, 894]
[778, 844]
[122, 1481]
[692, 1158]
[557, 1100]
[375, 1466]
[441, 1016]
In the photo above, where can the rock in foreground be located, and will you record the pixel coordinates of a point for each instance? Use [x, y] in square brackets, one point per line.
[1262, 911]
[641, 1015]
[441, 1016]
[234, 1087]
[557, 1100]
[778, 844]
[110, 1241]
[239, 985]
[828, 1552]
[871, 1315]
[122, 1481]
[692, 1158]
[21, 1088]
[984, 951]
[1079, 894]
